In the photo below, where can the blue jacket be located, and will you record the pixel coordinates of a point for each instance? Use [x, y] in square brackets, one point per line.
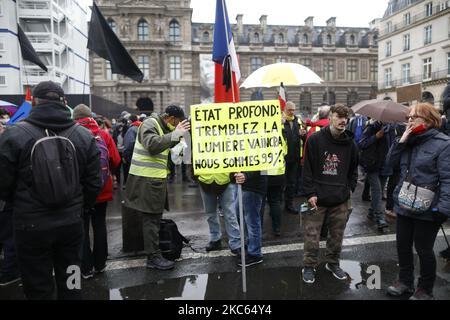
[430, 166]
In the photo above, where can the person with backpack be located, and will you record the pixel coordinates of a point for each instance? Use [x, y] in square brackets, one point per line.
[49, 170]
[357, 125]
[109, 160]
[146, 188]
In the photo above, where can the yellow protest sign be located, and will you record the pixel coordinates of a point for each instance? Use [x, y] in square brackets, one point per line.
[235, 137]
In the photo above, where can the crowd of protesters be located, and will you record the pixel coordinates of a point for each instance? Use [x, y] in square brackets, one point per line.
[324, 158]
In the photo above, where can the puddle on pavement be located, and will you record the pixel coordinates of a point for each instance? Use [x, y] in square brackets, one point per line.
[262, 284]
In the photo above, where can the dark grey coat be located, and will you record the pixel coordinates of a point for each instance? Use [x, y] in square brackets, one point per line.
[430, 166]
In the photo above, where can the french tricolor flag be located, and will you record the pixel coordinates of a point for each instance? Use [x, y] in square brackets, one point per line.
[224, 55]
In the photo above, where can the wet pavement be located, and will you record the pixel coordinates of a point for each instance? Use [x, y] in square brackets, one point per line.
[216, 276]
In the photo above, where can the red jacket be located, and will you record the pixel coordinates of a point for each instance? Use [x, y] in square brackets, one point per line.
[114, 157]
[321, 123]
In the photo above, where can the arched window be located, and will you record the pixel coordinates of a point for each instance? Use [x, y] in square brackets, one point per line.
[205, 36]
[256, 37]
[329, 98]
[427, 97]
[329, 41]
[112, 24]
[305, 39]
[280, 38]
[142, 30]
[352, 40]
[174, 31]
[352, 98]
[306, 103]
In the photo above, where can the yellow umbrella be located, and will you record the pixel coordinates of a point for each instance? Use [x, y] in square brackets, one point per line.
[290, 74]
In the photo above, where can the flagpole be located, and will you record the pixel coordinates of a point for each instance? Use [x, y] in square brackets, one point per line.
[240, 200]
[19, 51]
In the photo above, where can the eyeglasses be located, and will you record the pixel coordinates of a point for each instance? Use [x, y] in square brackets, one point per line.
[414, 117]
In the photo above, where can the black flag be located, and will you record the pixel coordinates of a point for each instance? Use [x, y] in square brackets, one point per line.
[27, 50]
[104, 42]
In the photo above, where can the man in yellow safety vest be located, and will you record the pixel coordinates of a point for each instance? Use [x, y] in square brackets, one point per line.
[146, 189]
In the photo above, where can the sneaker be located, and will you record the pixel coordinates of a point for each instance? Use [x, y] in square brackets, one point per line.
[236, 252]
[100, 270]
[160, 263]
[421, 294]
[336, 270]
[381, 224]
[214, 245]
[250, 260]
[399, 289]
[6, 279]
[309, 274]
[87, 275]
[277, 233]
[390, 214]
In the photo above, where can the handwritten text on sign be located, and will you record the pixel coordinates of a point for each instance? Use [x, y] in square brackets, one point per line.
[235, 137]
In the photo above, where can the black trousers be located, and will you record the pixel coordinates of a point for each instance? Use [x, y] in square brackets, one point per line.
[422, 234]
[392, 183]
[291, 182]
[41, 252]
[95, 258]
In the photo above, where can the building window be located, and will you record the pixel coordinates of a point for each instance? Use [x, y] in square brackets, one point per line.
[109, 75]
[429, 9]
[388, 78]
[388, 49]
[352, 98]
[175, 67]
[427, 65]
[406, 73]
[305, 39]
[256, 37]
[389, 27]
[352, 40]
[112, 24]
[329, 40]
[280, 60]
[306, 102]
[174, 31]
[406, 42]
[142, 30]
[144, 65]
[407, 19]
[255, 64]
[306, 62]
[352, 68]
[373, 70]
[448, 64]
[3, 80]
[329, 70]
[428, 34]
[280, 38]
[329, 98]
[205, 36]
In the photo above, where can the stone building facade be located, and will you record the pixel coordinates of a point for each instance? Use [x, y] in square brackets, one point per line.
[167, 46]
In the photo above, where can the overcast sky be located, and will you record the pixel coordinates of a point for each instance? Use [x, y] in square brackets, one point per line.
[348, 13]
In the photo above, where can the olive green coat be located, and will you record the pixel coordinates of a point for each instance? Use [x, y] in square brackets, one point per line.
[149, 195]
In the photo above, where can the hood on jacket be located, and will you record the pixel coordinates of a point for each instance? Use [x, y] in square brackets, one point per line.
[344, 139]
[320, 123]
[90, 124]
[53, 116]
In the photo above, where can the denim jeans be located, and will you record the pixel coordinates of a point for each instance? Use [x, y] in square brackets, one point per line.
[252, 203]
[376, 193]
[228, 202]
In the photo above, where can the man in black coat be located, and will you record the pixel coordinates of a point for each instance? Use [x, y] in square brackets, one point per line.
[48, 238]
[291, 131]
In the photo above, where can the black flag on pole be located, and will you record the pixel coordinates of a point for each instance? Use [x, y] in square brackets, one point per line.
[28, 52]
[104, 42]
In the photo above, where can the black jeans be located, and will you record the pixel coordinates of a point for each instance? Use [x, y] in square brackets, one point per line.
[393, 181]
[95, 258]
[9, 266]
[274, 197]
[291, 182]
[39, 252]
[423, 235]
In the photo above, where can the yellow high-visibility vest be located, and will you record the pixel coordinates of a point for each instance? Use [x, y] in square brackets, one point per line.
[280, 171]
[219, 178]
[143, 164]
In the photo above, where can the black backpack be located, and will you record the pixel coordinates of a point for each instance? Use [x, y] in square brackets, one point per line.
[54, 166]
[170, 240]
